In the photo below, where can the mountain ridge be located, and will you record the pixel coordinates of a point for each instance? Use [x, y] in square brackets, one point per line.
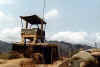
[63, 47]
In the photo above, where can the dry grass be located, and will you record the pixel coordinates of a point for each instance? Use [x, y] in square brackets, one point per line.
[4, 56]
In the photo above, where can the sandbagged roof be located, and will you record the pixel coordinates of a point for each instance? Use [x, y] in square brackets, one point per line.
[34, 19]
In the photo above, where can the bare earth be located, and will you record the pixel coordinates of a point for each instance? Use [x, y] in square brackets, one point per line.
[13, 63]
[17, 63]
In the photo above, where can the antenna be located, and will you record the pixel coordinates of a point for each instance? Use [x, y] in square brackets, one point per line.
[44, 9]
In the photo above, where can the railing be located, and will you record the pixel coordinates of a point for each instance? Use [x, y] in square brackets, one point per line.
[29, 31]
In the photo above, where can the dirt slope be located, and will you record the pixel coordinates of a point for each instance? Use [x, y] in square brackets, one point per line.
[18, 62]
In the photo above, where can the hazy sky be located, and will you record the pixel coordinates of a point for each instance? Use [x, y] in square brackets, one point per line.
[68, 20]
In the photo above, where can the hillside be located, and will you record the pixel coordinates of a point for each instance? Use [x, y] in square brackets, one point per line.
[64, 47]
[67, 48]
[4, 46]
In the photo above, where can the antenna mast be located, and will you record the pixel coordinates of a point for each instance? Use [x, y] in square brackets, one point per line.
[44, 9]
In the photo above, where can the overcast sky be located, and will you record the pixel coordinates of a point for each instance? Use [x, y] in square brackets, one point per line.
[76, 21]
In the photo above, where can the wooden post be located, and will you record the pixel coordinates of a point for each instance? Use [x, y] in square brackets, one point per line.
[41, 31]
[26, 25]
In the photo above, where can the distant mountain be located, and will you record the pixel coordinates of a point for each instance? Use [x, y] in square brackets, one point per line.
[67, 48]
[63, 47]
[5, 47]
